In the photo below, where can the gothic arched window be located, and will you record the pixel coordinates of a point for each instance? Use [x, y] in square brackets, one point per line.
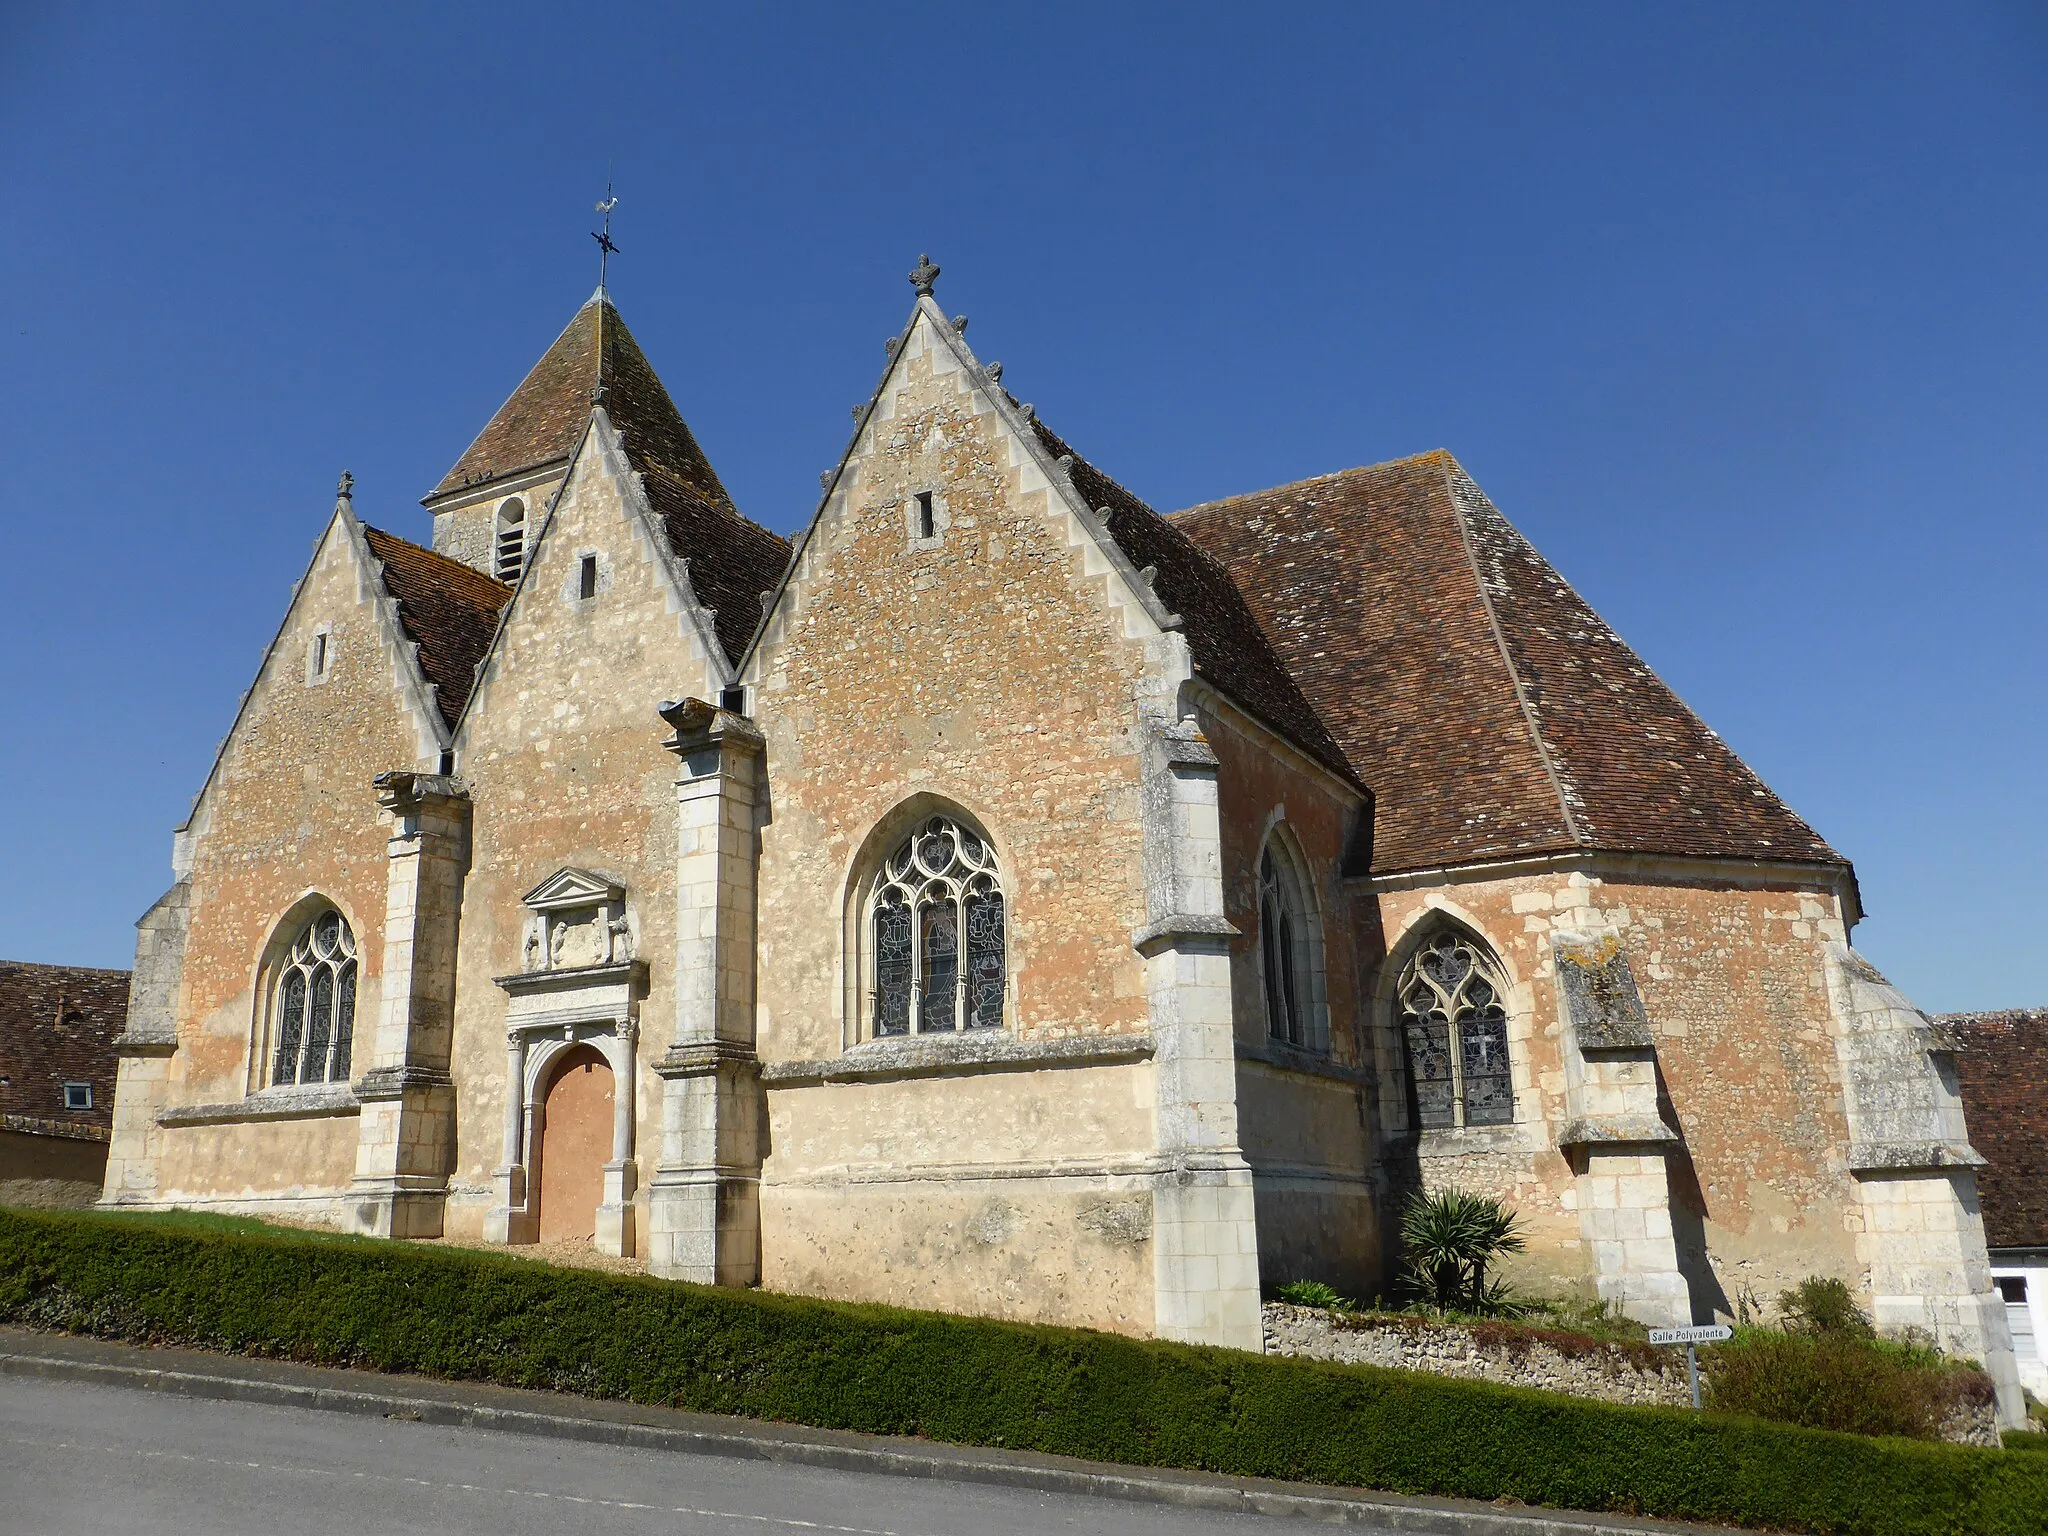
[936, 924]
[315, 1004]
[511, 548]
[1290, 945]
[1455, 1023]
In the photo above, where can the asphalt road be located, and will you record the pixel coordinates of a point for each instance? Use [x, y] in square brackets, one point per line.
[83, 1459]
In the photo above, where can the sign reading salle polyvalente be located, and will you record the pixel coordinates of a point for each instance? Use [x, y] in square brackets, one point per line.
[1712, 1333]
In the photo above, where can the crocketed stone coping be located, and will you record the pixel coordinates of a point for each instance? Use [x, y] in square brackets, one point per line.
[268, 1104]
[936, 1055]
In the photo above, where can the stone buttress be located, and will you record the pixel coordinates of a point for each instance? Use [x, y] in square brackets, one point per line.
[704, 1201]
[408, 1099]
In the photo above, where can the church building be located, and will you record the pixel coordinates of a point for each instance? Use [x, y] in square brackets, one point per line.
[1005, 898]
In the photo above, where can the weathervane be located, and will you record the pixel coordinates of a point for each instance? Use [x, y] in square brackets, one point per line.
[605, 249]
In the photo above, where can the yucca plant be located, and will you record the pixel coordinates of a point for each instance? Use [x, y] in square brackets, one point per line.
[1450, 1239]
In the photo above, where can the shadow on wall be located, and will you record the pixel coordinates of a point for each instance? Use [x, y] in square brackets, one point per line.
[1689, 1219]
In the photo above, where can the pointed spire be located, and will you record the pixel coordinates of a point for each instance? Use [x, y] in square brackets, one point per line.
[926, 275]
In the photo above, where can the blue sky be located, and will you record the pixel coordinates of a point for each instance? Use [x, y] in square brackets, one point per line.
[1738, 312]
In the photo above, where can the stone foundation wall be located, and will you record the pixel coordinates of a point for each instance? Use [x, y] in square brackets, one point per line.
[1611, 1373]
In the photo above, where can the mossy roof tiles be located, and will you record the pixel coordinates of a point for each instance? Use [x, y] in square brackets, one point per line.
[1491, 709]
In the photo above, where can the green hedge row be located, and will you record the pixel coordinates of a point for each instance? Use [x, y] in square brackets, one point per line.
[885, 1371]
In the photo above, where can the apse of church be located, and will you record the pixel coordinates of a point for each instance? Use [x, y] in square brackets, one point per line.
[1005, 898]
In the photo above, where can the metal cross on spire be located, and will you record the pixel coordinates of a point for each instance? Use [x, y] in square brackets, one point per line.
[605, 249]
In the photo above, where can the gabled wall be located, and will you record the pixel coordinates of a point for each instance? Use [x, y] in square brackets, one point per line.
[289, 812]
[993, 667]
[562, 753]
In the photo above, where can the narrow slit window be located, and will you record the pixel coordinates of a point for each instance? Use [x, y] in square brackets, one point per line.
[586, 577]
[926, 524]
[511, 546]
[319, 660]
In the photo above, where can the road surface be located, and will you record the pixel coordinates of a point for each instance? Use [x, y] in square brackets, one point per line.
[81, 1460]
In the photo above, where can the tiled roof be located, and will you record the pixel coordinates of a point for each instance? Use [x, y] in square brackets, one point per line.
[1229, 648]
[2002, 1072]
[448, 609]
[1490, 708]
[57, 1026]
[732, 560]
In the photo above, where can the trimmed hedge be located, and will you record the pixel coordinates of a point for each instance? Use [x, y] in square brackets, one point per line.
[972, 1381]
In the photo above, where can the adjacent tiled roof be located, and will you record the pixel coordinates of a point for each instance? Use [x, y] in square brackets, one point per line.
[57, 1026]
[448, 609]
[1490, 708]
[596, 360]
[2002, 1071]
[1229, 648]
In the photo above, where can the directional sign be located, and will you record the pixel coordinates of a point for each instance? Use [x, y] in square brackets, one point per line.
[1713, 1333]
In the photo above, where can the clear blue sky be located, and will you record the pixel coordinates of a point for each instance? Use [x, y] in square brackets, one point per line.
[1739, 312]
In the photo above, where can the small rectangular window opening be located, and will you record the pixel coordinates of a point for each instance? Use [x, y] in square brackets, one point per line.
[586, 577]
[924, 515]
[733, 700]
[78, 1095]
[320, 655]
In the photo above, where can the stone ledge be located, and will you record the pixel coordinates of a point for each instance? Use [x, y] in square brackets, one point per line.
[940, 1055]
[137, 1042]
[69, 1130]
[1289, 1058]
[395, 1082]
[703, 1057]
[1616, 1131]
[1912, 1156]
[631, 973]
[268, 1104]
[1199, 929]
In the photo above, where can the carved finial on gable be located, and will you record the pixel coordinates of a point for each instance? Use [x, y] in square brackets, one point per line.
[924, 277]
[344, 488]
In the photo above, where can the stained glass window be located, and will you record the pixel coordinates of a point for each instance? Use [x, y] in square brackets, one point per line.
[939, 895]
[1456, 1030]
[316, 1004]
[1288, 960]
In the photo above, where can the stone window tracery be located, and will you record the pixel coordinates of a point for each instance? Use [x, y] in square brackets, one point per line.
[315, 1004]
[1454, 1022]
[937, 922]
[1290, 950]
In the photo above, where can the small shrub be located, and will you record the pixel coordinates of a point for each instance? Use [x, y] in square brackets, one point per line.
[1312, 1293]
[1835, 1382]
[1823, 1308]
[1450, 1239]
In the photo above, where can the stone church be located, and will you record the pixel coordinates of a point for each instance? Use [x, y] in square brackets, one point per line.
[1009, 899]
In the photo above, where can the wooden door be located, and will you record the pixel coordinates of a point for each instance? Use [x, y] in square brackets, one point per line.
[576, 1142]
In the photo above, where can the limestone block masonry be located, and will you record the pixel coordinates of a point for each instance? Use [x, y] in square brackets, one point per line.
[704, 1206]
[407, 1128]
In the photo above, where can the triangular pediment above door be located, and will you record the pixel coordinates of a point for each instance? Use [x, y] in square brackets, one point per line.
[571, 887]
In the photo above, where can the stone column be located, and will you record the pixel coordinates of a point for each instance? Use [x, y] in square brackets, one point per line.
[1616, 1139]
[1922, 1234]
[407, 1135]
[622, 1173]
[145, 1047]
[1205, 1241]
[510, 1218]
[704, 1200]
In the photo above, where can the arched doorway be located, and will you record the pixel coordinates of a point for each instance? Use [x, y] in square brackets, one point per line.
[576, 1139]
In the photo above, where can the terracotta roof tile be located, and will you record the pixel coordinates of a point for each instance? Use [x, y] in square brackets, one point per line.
[449, 610]
[732, 559]
[57, 1026]
[1229, 648]
[2002, 1072]
[1491, 709]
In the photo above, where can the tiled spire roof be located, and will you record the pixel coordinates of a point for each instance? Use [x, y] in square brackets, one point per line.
[595, 361]
[1492, 710]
